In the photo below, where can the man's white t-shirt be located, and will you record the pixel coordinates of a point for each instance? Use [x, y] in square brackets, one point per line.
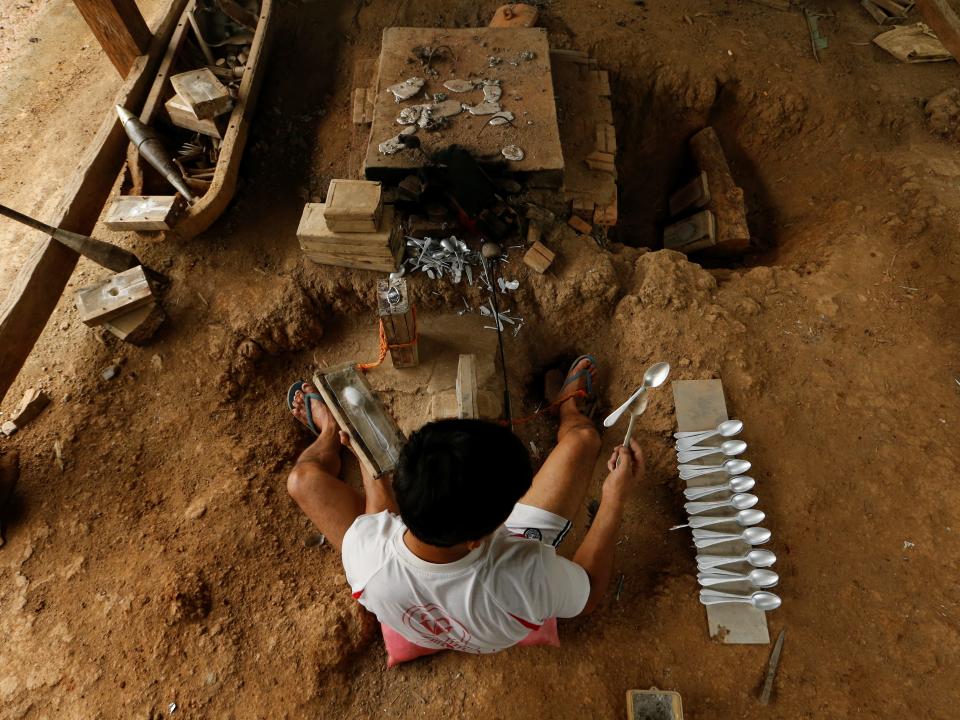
[487, 601]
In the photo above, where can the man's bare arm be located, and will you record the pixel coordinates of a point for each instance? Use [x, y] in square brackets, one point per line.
[595, 554]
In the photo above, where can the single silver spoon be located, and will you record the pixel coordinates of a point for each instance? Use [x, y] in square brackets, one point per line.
[730, 467]
[728, 428]
[729, 448]
[744, 518]
[655, 376]
[760, 599]
[757, 578]
[752, 535]
[740, 501]
[757, 558]
[739, 484]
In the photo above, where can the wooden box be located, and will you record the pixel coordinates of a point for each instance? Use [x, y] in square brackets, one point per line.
[381, 250]
[399, 322]
[203, 93]
[353, 206]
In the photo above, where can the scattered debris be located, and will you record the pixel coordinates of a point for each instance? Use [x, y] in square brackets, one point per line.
[9, 428]
[818, 41]
[772, 669]
[507, 285]
[58, 453]
[459, 86]
[913, 44]
[619, 587]
[501, 118]
[515, 15]
[398, 142]
[315, 540]
[138, 326]
[887, 12]
[406, 89]
[484, 108]
[513, 152]
[111, 372]
[31, 405]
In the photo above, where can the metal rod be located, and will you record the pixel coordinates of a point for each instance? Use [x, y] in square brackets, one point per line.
[503, 361]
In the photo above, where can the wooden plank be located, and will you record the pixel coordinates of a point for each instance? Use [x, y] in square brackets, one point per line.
[115, 296]
[727, 203]
[943, 16]
[374, 434]
[700, 405]
[139, 326]
[119, 28]
[314, 230]
[37, 288]
[143, 212]
[467, 395]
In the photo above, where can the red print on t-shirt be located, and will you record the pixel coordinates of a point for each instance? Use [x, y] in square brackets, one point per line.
[433, 624]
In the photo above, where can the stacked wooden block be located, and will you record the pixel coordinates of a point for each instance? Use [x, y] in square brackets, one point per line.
[352, 228]
[124, 304]
[201, 103]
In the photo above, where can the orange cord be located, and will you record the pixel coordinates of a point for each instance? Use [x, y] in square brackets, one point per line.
[384, 346]
[552, 407]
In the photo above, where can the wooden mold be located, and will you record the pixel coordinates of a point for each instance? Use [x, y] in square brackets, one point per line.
[202, 92]
[399, 322]
[353, 206]
[374, 434]
[116, 296]
[144, 212]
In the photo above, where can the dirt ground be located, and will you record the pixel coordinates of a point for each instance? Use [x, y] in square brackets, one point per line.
[164, 562]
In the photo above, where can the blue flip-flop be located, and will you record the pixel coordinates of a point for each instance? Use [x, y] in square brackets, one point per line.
[591, 395]
[307, 397]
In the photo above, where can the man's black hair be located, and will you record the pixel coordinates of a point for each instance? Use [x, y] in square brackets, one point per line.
[458, 480]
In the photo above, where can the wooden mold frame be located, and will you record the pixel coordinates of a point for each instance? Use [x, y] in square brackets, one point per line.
[331, 382]
[700, 405]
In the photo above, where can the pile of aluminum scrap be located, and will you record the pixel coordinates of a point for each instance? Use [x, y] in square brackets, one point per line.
[437, 258]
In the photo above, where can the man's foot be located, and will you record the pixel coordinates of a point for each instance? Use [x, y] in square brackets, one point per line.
[579, 384]
[323, 419]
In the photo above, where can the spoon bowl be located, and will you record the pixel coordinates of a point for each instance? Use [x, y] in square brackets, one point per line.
[728, 428]
[744, 518]
[353, 396]
[729, 448]
[655, 376]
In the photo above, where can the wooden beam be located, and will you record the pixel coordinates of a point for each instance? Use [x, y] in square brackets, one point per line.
[40, 283]
[119, 28]
[943, 16]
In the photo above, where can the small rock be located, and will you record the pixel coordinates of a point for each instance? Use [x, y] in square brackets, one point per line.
[8, 428]
[195, 509]
[111, 372]
[156, 362]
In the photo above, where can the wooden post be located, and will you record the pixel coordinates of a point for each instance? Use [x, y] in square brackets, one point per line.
[467, 387]
[42, 278]
[399, 322]
[726, 202]
[943, 16]
[119, 28]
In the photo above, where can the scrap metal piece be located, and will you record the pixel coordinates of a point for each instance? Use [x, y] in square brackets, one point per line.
[513, 152]
[396, 144]
[501, 118]
[406, 89]
[148, 144]
[458, 86]
[494, 60]
[772, 669]
[410, 115]
[492, 91]
[439, 97]
[483, 108]
[446, 108]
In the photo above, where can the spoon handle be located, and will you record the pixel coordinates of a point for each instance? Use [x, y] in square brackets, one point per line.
[712, 600]
[695, 508]
[711, 541]
[702, 492]
[686, 456]
[715, 534]
[688, 472]
[706, 562]
[711, 580]
[695, 434]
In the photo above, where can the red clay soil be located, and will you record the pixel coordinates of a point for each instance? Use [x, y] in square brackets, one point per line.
[164, 562]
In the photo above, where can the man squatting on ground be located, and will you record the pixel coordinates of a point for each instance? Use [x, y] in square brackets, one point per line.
[459, 550]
